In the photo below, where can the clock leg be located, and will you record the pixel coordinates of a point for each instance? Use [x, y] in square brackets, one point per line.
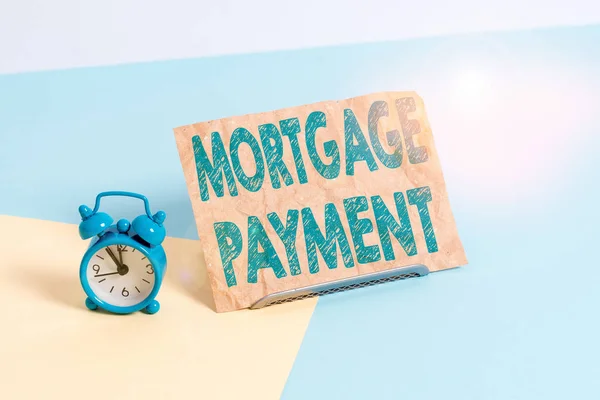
[153, 307]
[90, 304]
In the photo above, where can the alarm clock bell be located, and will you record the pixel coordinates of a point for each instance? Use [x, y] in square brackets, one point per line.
[92, 224]
[150, 229]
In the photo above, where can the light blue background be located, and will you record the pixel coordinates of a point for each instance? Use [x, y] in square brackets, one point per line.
[520, 322]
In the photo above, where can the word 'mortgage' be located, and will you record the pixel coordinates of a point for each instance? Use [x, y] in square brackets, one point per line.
[356, 147]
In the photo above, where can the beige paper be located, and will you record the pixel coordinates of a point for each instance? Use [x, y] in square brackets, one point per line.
[53, 347]
[386, 121]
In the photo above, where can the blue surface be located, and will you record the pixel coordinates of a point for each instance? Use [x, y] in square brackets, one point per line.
[521, 321]
[518, 151]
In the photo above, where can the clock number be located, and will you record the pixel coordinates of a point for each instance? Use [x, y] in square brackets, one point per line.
[125, 293]
[122, 248]
[96, 268]
[151, 271]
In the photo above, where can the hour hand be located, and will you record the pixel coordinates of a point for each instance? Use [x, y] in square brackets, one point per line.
[112, 255]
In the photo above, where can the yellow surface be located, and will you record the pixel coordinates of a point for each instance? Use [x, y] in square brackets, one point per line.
[51, 346]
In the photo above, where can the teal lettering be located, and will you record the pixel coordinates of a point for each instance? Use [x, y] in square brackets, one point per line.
[230, 243]
[261, 259]
[290, 128]
[251, 183]
[316, 120]
[287, 234]
[420, 197]
[359, 151]
[360, 227]
[410, 127]
[380, 109]
[273, 148]
[214, 171]
[327, 245]
[401, 230]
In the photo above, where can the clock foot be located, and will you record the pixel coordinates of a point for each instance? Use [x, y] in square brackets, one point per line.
[90, 304]
[153, 307]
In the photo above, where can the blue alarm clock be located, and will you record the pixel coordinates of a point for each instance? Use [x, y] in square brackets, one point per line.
[124, 266]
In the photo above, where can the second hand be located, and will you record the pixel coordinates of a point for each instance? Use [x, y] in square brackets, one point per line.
[120, 255]
[112, 255]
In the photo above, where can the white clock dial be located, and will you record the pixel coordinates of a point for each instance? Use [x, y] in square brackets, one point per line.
[121, 275]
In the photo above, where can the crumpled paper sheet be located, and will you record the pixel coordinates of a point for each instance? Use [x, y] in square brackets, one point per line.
[315, 194]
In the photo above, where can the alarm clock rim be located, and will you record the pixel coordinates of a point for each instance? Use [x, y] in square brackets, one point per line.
[127, 241]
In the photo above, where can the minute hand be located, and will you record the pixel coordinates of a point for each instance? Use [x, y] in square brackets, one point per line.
[110, 273]
[112, 255]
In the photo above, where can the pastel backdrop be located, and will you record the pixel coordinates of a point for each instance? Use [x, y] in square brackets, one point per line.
[515, 119]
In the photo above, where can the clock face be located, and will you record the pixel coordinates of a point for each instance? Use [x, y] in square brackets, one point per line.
[120, 275]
